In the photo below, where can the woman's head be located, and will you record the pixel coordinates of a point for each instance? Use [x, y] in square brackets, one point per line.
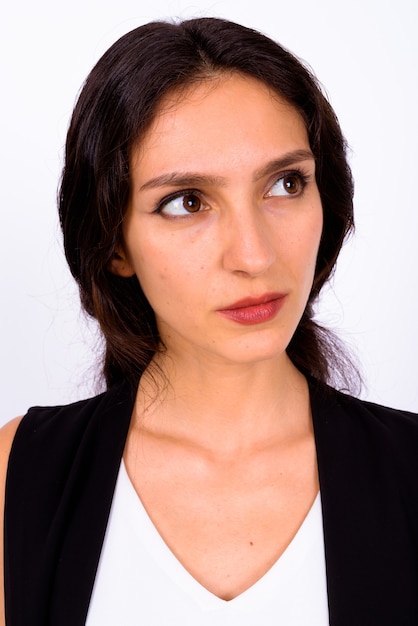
[116, 107]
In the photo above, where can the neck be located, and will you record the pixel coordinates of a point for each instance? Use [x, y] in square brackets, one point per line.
[225, 407]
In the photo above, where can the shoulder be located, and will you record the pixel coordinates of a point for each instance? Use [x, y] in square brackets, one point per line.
[41, 420]
[67, 424]
[341, 410]
[7, 434]
[61, 472]
[51, 442]
[393, 431]
[377, 418]
[365, 437]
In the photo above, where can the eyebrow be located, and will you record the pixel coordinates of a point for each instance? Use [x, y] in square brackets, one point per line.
[288, 159]
[193, 179]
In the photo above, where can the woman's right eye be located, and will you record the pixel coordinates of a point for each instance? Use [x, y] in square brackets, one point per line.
[181, 205]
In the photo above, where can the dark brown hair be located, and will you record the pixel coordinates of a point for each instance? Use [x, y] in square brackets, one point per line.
[116, 106]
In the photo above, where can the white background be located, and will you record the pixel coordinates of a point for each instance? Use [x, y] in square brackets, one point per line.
[364, 52]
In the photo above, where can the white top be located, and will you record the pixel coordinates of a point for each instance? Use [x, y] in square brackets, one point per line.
[141, 583]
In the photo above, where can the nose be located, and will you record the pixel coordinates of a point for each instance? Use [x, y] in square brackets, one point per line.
[248, 241]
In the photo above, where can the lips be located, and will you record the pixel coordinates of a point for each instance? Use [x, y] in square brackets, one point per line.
[254, 310]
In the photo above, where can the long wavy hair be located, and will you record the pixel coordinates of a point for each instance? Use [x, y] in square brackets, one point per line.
[116, 106]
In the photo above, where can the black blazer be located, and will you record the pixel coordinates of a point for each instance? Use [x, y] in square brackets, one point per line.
[61, 478]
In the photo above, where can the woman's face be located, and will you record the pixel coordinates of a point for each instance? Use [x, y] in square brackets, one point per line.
[224, 221]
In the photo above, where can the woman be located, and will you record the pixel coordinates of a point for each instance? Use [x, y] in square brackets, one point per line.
[219, 479]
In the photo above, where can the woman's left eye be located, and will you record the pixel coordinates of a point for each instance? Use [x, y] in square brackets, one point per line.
[291, 184]
[182, 204]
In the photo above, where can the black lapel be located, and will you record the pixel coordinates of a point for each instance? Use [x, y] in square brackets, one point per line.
[62, 472]
[94, 484]
[370, 560]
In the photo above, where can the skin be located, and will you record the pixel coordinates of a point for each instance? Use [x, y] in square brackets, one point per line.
[232, 432]
[7, 434]
[224, 458]
[250, 238]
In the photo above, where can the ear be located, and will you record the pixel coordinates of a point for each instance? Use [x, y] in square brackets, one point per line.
[120, 265]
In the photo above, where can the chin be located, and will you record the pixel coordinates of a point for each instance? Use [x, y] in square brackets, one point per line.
[256, 349]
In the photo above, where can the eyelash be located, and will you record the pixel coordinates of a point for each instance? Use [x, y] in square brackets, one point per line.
[173, 196]
[302, 177]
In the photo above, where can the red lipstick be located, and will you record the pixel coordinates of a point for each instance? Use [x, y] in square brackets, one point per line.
[254, 310]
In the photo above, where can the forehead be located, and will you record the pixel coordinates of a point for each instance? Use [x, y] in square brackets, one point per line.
[230, 115]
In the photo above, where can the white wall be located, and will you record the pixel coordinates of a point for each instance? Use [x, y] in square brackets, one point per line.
[365, 54]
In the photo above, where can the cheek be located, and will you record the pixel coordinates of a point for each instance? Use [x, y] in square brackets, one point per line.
[302, 243]
[314, 232]
[175, 257]
[312, 251]
[167, 273]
